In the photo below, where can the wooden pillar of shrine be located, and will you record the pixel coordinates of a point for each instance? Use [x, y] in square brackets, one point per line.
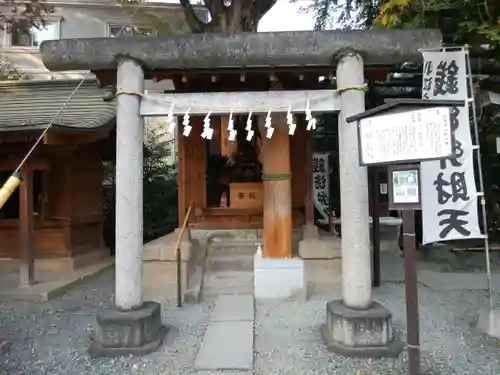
[276, 176]
[26, 233]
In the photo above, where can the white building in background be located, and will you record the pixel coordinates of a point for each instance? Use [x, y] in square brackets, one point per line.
[92, 19]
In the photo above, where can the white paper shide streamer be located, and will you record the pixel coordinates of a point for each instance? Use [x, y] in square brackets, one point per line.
[268, 125]
[248, 128]
[290, 121]
[208, 132]
[171, 120]
[311, 121]
[186, 126]
[230, 128]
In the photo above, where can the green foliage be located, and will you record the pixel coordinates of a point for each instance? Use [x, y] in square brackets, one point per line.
[477, 22]
[472, 22]
[160, 188]
[346, 14]
[22, 16]
[10, 73]
[160, 191]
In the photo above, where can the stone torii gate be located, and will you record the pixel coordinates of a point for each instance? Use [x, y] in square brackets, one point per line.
[356, 325]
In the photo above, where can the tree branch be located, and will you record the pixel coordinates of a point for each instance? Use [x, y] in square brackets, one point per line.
[263, 6]
[195, 24]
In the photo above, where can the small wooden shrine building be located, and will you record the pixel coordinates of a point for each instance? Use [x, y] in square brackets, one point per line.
[57, 212]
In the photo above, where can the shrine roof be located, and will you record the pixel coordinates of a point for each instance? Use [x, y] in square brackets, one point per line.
[298, 49]
[28, 105]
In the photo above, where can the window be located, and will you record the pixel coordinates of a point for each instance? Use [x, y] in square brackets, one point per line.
[115, 30]
[34, 37]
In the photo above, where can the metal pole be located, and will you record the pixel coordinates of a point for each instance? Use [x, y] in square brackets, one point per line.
[179, 277]
[481, 182]
[375, 227]
[411, 289]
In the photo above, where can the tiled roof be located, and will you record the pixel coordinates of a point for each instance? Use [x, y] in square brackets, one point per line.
[26, 105]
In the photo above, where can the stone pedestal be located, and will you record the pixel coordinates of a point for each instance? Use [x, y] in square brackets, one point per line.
[125, 332]
[279, 278]
[360, 333]
[489, 322]
[390, 229]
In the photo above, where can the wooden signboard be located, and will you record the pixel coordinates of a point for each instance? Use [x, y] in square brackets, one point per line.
[246, 194]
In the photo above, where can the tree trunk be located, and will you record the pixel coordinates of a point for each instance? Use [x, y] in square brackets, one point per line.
[235, 17]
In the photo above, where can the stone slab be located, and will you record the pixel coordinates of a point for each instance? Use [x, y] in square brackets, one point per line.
[279, 278]
[489, 322]
[233, 308]
[227, 282]
[223, 373]
[49, 286]
[229, 263]
[226, 346]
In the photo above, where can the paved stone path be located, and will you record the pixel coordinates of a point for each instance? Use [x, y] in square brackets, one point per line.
[229, 339]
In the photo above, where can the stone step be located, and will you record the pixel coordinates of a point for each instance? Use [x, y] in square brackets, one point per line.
[233, 241]
[227, 282]
[231, 248]
[229, 263]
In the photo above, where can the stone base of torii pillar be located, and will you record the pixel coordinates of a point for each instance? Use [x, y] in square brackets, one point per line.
[132, 326]
[356, 325]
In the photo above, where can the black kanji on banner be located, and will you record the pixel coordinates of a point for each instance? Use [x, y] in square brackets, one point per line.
[457, 188]
[319, 181]
[427, 80]
[322, 198]
[453, 221]
[446, 81]
[457, 148]
[319, 165]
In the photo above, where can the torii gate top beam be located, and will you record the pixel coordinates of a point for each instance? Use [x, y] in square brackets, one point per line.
[298, 49]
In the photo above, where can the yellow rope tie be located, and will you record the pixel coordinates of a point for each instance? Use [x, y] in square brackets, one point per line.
[363, 87]
[9, 187]
[277, 176]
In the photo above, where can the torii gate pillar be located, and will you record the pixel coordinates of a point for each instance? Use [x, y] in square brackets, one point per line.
[355, 325]
[133, 326]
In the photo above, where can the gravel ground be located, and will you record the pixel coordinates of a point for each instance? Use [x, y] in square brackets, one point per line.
[52, 337]
[288, 340]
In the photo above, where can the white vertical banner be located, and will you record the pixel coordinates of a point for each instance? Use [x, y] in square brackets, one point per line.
[321, 185]
[449, 192]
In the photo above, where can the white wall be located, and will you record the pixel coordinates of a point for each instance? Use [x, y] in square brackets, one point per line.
[90, 19]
